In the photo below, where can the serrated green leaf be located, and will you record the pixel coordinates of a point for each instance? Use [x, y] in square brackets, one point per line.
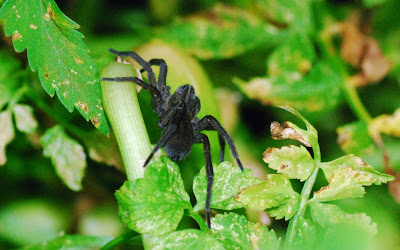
[305, 236]
[343, 185]
[316, 91]
[366, 175]
[229, 180]
[66, 155]
[291, 60]
[235, 232]
[24, 119]
[354, 138]
[328, 214]
[187, 239]
[295, 14]
[221, 32]
[295, 162]
[6, 134]
[57, 51]
[276, 193]
[71, 242]
[156, 203]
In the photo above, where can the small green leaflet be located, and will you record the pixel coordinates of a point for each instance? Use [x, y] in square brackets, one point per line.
[276, 193]
[71, 242]
[24, 118]
[186, 239]
[328, 214]
[305, 237]
[6, 134]
[342, 185]
[229, 180]
[57, 51]
[235, 232]
[67, 156]
[366, 175]
[295, 162]
[229, 231]
[354, 138]
[156, 203]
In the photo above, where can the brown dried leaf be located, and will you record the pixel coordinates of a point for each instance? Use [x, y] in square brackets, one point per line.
[374, 66]
[288, 130]
[352, 45]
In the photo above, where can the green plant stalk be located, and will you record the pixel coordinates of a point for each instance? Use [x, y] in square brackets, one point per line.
[305, 195]
[353, 99]
[118, 240]
[123, 111]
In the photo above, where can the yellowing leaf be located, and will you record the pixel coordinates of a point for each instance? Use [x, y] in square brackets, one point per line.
[66, 155]
[388, 124]
[24, 118]
[295, 162]
[6, 134]
[354, 138]
[343, 185]
[365, 174]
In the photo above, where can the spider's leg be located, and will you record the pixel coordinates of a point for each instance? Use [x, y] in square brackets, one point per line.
[162, 76]
[153, 90]
[210, 123]
[141, 61]
[210, 174]
[222, 148]
[164, 138]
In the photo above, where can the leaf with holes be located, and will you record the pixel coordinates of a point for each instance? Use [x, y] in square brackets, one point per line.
[67, 156]
[229, 180]
[275, 193]
[295, 162]
[365, 174]
[156, 203]
[57, 51]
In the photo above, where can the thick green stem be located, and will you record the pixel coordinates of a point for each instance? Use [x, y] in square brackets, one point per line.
[353, 99]
[123, 112]
[305, 195]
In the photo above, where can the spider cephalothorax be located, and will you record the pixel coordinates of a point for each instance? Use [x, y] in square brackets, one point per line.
[177, 113]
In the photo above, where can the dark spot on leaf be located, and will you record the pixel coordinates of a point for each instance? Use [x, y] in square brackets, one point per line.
[46, 75]
[283, 167]
[95, 121]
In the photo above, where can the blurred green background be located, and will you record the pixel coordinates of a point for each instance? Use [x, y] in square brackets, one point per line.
[286, 45]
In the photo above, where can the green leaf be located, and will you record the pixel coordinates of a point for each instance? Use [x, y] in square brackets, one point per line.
[366, 175]
[66, 155]
[229, 180]
[221, 32]
[6, 134]
[327, 215]
[156, 203]
[24, 119]
[291, 60]
[316, 91]
[57, 51]
[295, 162]
[354, 138]
[373, 3]
[276, 193]
[343, 185]
[235, 232]
[305, 236]
[187, 239]
[295, 14]
[72, 242]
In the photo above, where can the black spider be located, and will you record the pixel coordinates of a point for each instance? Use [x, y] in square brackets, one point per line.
[177, 113]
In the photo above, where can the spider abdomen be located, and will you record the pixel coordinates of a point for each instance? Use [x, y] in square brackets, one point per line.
[181, 142]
